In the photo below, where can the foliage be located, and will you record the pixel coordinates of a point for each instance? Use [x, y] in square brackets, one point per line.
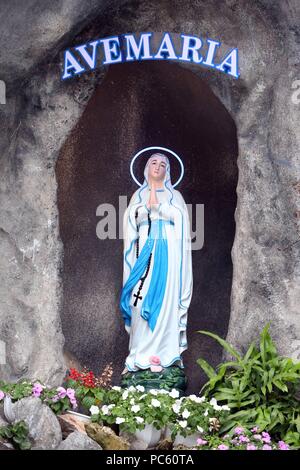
[133, 408]
[167, 379]
[58, 399]
[259, 387]
[17, 434]
[241, 439]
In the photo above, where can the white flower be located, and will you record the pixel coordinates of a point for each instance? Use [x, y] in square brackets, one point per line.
[200, 429]
[196, 399]
[132, 401]
[155, 403]
[205, 412]
[120, 420]
[115, 387]
[174, 393]
[217, 407]
[131, 388]
[185, 413]
[111, 406]
[163, 392]
[125, 394]
[139, 419]
[94, 410]
[154, 392]
[225, 407]
[213, 402]
[176, 408]
[192, 398]
[143, 396]
[183, 424]
[140, 388]
[135, 408]
[105, 410]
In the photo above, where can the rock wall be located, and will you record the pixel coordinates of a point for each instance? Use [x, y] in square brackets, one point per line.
[41, 111]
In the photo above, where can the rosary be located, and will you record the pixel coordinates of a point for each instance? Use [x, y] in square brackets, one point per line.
[142, 280]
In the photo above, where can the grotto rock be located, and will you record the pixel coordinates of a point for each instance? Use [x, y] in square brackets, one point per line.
[78, 441]
[70, 424]
[106, 437]
[44, 428]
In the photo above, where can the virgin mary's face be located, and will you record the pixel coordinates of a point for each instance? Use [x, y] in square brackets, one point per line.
[157, 168]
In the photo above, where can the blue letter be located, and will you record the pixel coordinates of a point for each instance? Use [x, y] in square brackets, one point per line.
[112, 50]
[91, 61]
[211, 52]
[166, 46]
[143, 48]
[71, 63]
[187, 48]
[230, 64]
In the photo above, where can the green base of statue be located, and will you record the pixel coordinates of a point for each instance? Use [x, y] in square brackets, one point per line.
[167, 379]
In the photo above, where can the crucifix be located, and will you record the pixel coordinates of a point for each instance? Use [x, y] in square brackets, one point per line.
[137, 298]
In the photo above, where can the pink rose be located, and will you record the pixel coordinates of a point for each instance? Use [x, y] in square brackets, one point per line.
[154, 360]
[155, 364]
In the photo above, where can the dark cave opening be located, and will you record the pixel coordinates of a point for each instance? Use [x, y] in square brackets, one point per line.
[140, 105]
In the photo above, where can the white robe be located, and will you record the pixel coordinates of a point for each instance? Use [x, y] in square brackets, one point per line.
[168, 339]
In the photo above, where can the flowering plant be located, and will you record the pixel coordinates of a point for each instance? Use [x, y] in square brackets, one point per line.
[241, 439]
[89, 389]
[260, 387]
[132, 409]
[197, 415]
[58, 399]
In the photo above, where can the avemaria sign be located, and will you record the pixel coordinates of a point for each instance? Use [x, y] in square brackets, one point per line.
[133, 47]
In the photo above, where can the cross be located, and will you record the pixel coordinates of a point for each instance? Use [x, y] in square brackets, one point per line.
[137, 298]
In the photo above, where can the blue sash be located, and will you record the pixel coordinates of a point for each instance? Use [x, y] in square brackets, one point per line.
[153, 300]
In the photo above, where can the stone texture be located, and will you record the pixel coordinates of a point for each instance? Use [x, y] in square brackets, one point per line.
[78, 441]
[44, 428]
[5, 445]
[106, 437]
[70, 424]
[134, 443]
[41, 111]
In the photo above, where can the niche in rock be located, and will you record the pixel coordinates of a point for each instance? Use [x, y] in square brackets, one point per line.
[139, 105]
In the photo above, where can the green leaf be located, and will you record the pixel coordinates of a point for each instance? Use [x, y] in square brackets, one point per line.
[207, 368]
[223, 343]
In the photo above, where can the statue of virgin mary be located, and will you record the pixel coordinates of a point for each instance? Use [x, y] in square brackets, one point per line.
[157, 274]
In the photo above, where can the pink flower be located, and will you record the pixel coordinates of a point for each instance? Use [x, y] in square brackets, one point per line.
[283, 446]
[201, 442]
[2, 395]
[62, 392]
[238, 430]
[267, 447]
[244, 439]
[37, 390]
[255, 429]
[154, 360]
[155, 364]
[257, 437]
[223, 447]
[251, 447]
[266, 437]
